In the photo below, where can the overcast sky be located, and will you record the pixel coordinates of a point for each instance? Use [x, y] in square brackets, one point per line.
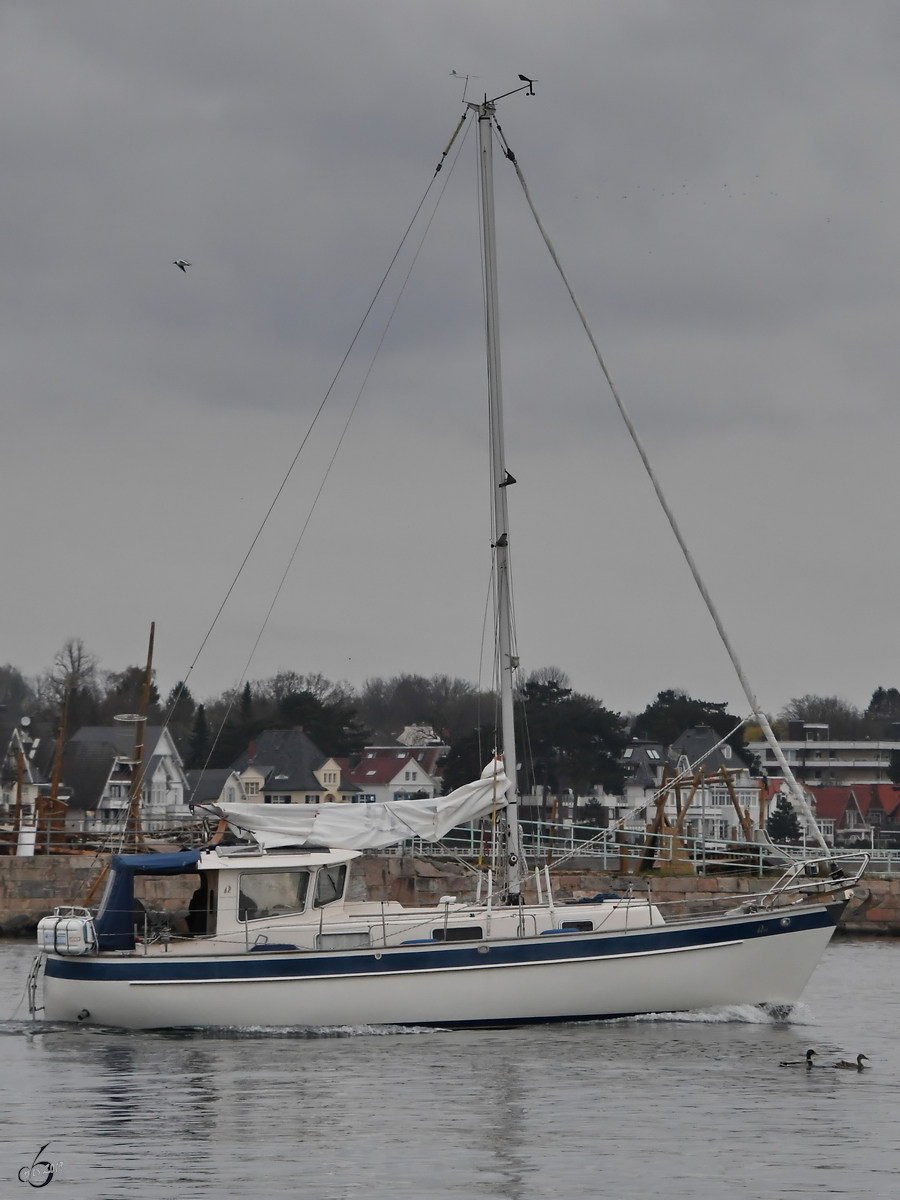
[723, 184]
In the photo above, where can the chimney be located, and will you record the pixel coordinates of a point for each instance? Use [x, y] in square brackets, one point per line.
[251, 752]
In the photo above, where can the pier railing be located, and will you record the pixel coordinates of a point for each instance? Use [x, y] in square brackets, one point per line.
[626, 851]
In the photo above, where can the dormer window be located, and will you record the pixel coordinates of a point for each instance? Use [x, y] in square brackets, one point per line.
[252, 787]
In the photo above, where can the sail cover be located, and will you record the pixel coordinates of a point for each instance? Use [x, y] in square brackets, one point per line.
[369, 826]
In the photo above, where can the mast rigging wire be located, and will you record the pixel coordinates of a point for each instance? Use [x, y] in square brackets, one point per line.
[761, 718]
[315, 418]
[343, 434]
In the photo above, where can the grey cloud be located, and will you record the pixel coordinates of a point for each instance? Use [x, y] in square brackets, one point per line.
[721, 184]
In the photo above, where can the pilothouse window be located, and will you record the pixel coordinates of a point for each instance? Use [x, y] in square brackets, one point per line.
[329, 885]
[458, 933]
[272, 894]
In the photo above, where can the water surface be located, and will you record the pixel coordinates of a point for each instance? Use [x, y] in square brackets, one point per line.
[694, 1106]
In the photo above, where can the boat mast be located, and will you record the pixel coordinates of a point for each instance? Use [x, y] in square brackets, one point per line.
[499, 480]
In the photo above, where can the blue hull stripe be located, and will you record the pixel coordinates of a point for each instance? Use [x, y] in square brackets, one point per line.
[484, 965]
[414, 959]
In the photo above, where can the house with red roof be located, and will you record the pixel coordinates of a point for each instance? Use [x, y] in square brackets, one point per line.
[396, 772]
[851, 815]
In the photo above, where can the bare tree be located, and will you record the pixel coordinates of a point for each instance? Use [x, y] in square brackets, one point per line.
[451, 705]
[74, 667]
[16, 692]
[843, 719]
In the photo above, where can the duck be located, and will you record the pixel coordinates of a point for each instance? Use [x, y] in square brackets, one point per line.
[801, 1062]
[851, 1066]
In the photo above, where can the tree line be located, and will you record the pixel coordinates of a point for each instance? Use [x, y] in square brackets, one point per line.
[567, 740]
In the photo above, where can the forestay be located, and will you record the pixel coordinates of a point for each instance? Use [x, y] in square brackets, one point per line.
[369, 826]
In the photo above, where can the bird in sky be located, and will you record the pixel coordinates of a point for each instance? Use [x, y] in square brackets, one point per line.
[182, 263]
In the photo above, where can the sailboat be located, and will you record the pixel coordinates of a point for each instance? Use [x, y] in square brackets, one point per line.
[273, 937]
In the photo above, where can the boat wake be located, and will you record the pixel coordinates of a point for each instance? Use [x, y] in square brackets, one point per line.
[734, 1014]
[28, 1028]
[295, 1032]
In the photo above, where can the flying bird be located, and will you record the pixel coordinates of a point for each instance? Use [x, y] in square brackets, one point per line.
[182, 263]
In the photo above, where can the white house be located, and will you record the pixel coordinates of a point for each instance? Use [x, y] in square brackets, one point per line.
[712, 812]
[98, 764]
[397, 772]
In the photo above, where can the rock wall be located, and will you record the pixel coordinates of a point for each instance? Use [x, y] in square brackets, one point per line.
[32, 887]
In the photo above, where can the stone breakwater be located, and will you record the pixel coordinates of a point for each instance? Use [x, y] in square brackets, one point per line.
[30, 888]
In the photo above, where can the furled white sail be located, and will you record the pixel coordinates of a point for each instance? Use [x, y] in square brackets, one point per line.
[369, 826]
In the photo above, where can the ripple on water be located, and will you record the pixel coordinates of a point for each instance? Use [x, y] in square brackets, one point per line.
[690, 1106]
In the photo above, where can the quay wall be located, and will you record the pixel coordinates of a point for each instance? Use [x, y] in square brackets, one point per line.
[30, 888]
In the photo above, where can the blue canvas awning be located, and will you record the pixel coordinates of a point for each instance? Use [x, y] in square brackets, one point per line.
[115, 920]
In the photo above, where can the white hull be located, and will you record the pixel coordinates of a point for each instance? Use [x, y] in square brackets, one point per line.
[406, 986]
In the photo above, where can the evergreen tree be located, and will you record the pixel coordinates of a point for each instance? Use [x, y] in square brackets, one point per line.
[332, 724]
[567, 739]
[784, 824]
[674, 711]
[468, 757]
[180, 710]
[199, 747]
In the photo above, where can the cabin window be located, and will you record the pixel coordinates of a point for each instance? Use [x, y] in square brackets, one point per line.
[201, 916]
[578, 926]
[272, 894]
[458, 933]
[329, 885]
